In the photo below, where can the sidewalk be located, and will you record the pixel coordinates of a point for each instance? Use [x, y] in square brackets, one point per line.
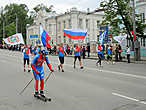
[94, 57]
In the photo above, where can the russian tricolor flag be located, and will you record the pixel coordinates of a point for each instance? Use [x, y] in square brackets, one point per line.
[75, 33]
[45, 37]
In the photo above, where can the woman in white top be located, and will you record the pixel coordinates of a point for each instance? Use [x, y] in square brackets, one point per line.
[128, 54]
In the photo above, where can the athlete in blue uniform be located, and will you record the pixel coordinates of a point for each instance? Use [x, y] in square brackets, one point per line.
[109, 57]
[77, 54]
[26, 53]
[37, 66]
[61, 52]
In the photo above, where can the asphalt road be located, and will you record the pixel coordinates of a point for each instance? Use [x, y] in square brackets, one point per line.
[121, 86]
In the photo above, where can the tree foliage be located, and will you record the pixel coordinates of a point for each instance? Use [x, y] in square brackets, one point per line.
[118, 15]
[9, 17]
[42, 7]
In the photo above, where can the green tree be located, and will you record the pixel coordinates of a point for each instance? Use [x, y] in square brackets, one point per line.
[118, 14]
[10, 29]
[10, 13]
[42, 7]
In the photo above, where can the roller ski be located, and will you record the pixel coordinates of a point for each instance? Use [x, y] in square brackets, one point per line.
[41, 96]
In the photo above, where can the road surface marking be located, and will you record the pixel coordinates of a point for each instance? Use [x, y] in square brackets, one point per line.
[113, 72]
[129, 98]
[120, 73]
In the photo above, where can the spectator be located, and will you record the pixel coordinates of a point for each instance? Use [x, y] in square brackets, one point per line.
[128, 53]
[120, 51]
[116, 52]
[88, 49]
[84, 52]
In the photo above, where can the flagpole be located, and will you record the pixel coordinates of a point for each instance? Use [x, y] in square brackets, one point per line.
[39, 33]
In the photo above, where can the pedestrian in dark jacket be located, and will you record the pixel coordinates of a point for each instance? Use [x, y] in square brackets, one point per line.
[116, 53]
[88, 50]
[84, 52]
[128, 54]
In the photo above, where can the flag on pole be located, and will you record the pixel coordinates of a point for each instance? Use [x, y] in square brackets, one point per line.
[133, 35]
[120, 39]
[45, 38]
[102, 37]
[14, 39]
[75, 33]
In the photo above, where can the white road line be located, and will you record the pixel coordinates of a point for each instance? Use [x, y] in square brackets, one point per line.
[129, 98]
[113, 72]
[120, 73]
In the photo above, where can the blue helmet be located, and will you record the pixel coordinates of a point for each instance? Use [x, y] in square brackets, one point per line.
[44, 52]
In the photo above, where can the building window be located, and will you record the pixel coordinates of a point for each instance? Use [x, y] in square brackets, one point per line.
[59, 24]
[141, 41]
[143, 17]
[98, 24]
[50, 28]
[144, 42]
[80, 23]
[64, 24]
[87, 25]
[69, 23]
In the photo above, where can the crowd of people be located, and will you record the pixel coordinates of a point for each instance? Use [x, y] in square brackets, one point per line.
[40, 55]
[103, 51]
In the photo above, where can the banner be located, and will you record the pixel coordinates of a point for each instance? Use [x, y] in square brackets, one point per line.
[14, 39]
[105, 28]
[33, 36]
[102, 37]
[119, 39]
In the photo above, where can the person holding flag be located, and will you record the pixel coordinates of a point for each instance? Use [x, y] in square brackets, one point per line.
[61, 52]
[37, 67]
[77, 55]
[99, 52]
[26, 54]
[37, 63]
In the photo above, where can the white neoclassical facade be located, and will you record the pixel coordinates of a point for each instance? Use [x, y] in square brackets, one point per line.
[141, 9]
[54, 25]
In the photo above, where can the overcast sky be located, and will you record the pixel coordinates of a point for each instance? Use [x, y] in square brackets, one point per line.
[59, 5]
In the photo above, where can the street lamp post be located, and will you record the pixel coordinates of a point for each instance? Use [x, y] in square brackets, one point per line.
[136, 43]
[16, 24]
[27, 25]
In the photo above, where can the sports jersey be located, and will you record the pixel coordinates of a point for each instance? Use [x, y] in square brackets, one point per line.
[77, 52]
[61, 51]
[26, 52]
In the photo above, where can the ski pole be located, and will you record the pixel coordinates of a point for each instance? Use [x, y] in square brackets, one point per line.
[26, 86]
[48, 76]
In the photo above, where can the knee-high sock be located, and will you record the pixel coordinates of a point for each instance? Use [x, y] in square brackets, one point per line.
[36, 84]
[42, 84]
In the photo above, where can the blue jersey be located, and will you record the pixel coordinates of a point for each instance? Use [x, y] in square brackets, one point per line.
[26, 53]
[108, 51]
[77, 53]
[38, 60]
[37, 51]
[61, 52]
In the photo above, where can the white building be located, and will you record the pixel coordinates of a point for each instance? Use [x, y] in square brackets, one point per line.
[54, 25]
[141, 9]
